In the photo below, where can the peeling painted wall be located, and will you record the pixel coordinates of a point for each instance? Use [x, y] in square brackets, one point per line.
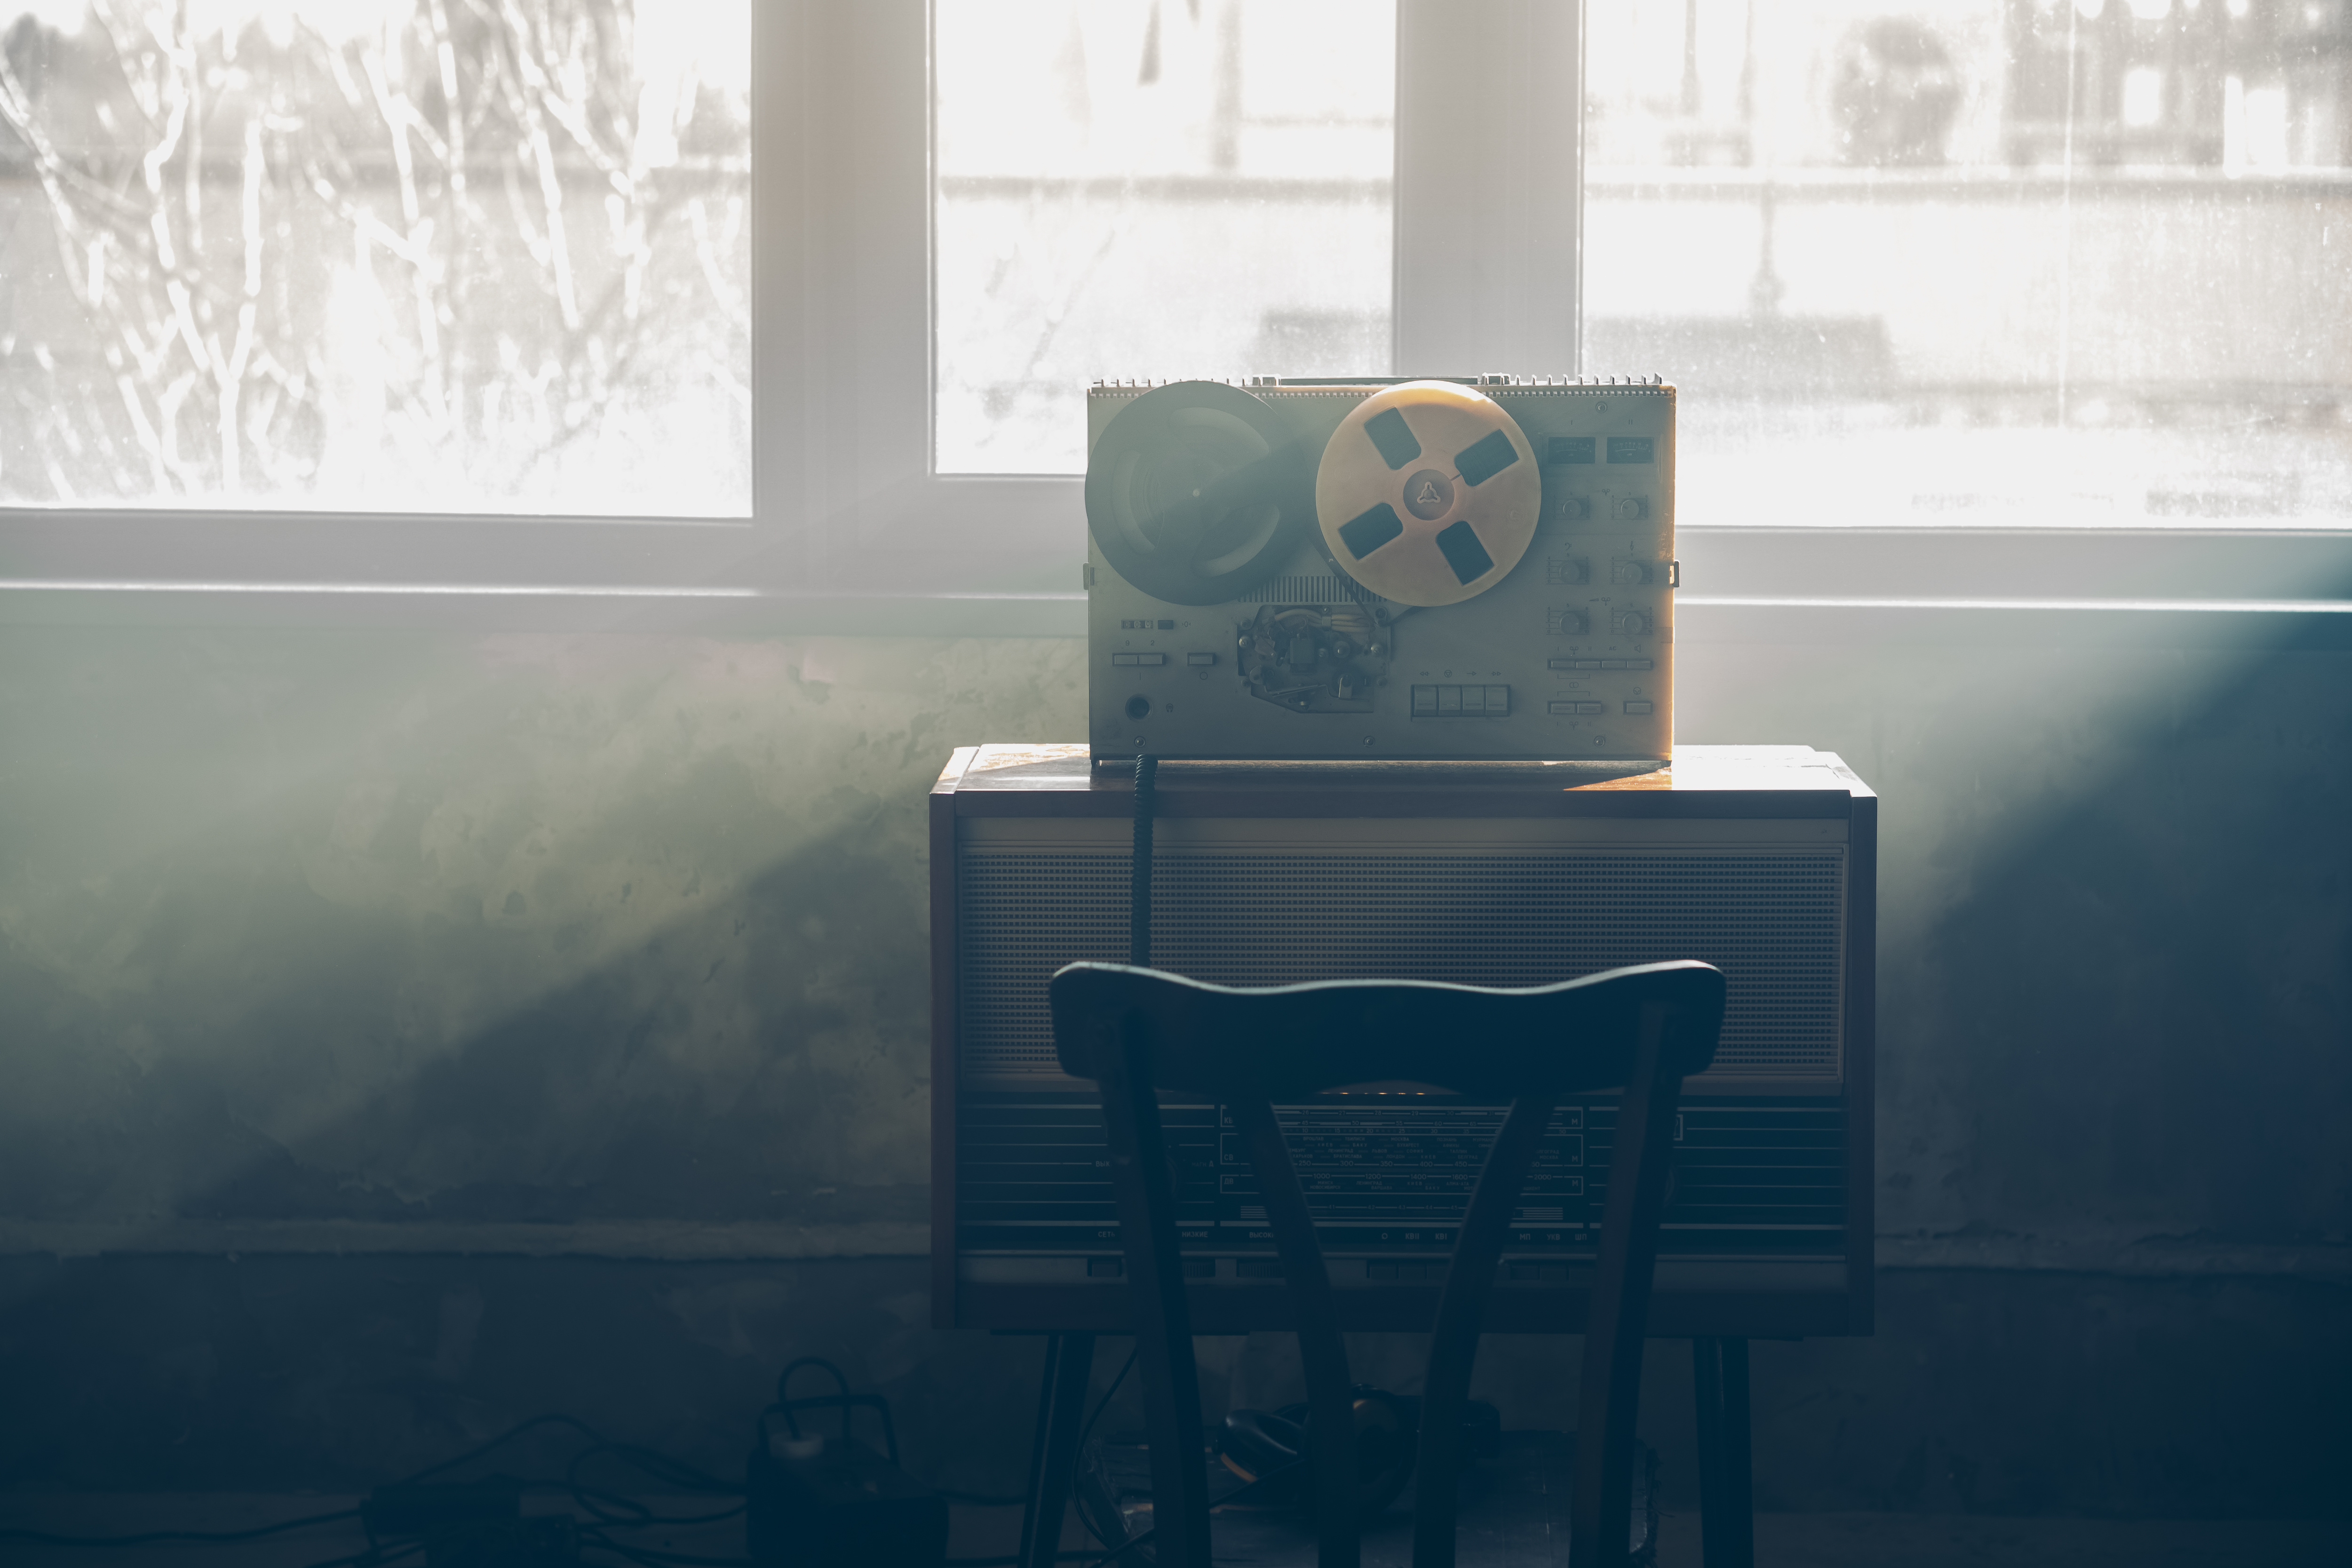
[318, 946]
[404, 929]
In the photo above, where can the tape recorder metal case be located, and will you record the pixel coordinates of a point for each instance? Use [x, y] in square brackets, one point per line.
[1371, 568]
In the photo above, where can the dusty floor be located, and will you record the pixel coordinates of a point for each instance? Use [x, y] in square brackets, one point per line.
[1782, 1540]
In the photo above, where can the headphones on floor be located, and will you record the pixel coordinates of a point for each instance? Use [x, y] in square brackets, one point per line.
[1112, 1487]
[1257, 1443]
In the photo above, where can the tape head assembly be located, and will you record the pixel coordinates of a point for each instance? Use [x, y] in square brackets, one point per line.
[1198, 492]
[1428, 493]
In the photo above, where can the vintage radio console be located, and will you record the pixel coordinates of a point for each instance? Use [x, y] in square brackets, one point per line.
[1365, 568]
[1759, 860]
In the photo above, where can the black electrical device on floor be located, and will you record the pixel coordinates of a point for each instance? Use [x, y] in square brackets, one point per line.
[827, 1500]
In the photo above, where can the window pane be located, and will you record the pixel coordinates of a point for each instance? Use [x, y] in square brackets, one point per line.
[2001, 262]
[382, 254]
[1135, 189]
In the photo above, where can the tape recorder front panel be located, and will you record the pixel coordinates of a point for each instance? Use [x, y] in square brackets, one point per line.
[1377, 569]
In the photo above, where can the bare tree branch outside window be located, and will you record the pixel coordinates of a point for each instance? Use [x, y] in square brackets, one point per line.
[431, 254]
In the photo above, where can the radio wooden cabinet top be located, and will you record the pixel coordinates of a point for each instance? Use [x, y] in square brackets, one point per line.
[1759, 860]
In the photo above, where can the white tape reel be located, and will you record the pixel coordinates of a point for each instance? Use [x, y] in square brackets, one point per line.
[1428, 493]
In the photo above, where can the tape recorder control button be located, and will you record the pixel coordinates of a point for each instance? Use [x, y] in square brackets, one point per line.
[1639, 708]
[1599, 664]
[1200, 659]
[1575, 708]
[1460, 702]
[1141, 658]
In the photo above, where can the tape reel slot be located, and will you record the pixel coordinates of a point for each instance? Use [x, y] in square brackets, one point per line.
[1198, 492]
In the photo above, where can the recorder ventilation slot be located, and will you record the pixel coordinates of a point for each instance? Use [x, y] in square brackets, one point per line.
[1311, 591]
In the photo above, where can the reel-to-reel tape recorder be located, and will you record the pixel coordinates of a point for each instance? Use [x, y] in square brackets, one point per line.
[1368, 568]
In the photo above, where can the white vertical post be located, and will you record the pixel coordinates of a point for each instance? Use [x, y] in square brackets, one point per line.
[1489, 186]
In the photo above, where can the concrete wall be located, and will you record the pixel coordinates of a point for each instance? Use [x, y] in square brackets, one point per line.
[407, 1031]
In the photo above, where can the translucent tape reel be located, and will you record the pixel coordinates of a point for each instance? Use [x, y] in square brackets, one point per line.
[1428, 493]
[1197, 492]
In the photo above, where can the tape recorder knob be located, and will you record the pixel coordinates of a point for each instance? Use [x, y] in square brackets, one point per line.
[1633, 623]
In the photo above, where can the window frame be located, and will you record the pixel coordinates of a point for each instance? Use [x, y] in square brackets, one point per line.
[854, 529]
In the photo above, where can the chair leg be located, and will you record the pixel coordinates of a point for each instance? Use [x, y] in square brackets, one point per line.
[1707, 1385]
[1037, 1447]
[1062, 1413]
[1739, 1463]
[1726, 1507]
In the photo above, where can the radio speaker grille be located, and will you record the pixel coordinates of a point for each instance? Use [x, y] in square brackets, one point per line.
[1772, 921]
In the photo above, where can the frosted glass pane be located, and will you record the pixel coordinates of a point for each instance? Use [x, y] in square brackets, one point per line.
[381, 255]
[2001, 262]
[1138, 190]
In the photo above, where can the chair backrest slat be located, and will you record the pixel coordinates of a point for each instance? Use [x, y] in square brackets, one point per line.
[1163, 1320]
[1453, 1340]
[1637, 1030]
[1322, 1354]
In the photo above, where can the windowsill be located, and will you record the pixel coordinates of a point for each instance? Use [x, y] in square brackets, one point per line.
[1010, 571]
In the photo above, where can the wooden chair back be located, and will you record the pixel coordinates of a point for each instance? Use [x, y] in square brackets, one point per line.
[1136, 1032]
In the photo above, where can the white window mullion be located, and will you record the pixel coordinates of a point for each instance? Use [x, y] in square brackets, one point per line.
[1489, 177]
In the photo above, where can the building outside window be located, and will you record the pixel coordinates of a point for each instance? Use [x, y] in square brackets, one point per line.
[1982, 262]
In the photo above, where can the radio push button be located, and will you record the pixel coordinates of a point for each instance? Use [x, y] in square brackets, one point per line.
[1124, 660]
